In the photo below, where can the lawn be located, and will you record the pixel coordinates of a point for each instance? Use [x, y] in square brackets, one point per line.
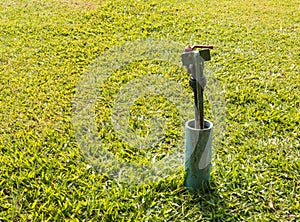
[49, 46]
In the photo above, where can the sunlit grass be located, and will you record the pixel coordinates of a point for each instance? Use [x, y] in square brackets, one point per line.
[47, 45]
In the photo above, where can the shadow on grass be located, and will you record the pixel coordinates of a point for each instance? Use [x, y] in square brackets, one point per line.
[167, 200]
[209, 205]
[201, 205]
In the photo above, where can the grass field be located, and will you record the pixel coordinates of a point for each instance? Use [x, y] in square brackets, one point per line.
[46, 46]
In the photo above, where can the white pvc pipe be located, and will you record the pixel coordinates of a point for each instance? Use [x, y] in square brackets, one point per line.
[197, 155]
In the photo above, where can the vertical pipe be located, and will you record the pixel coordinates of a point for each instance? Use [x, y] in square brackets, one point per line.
[199, 66]
[197, 155]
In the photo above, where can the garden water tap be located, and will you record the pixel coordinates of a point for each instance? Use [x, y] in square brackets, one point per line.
[193, 60]
[198, 132]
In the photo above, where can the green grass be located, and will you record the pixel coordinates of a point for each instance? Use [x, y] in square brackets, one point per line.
[47, 45]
